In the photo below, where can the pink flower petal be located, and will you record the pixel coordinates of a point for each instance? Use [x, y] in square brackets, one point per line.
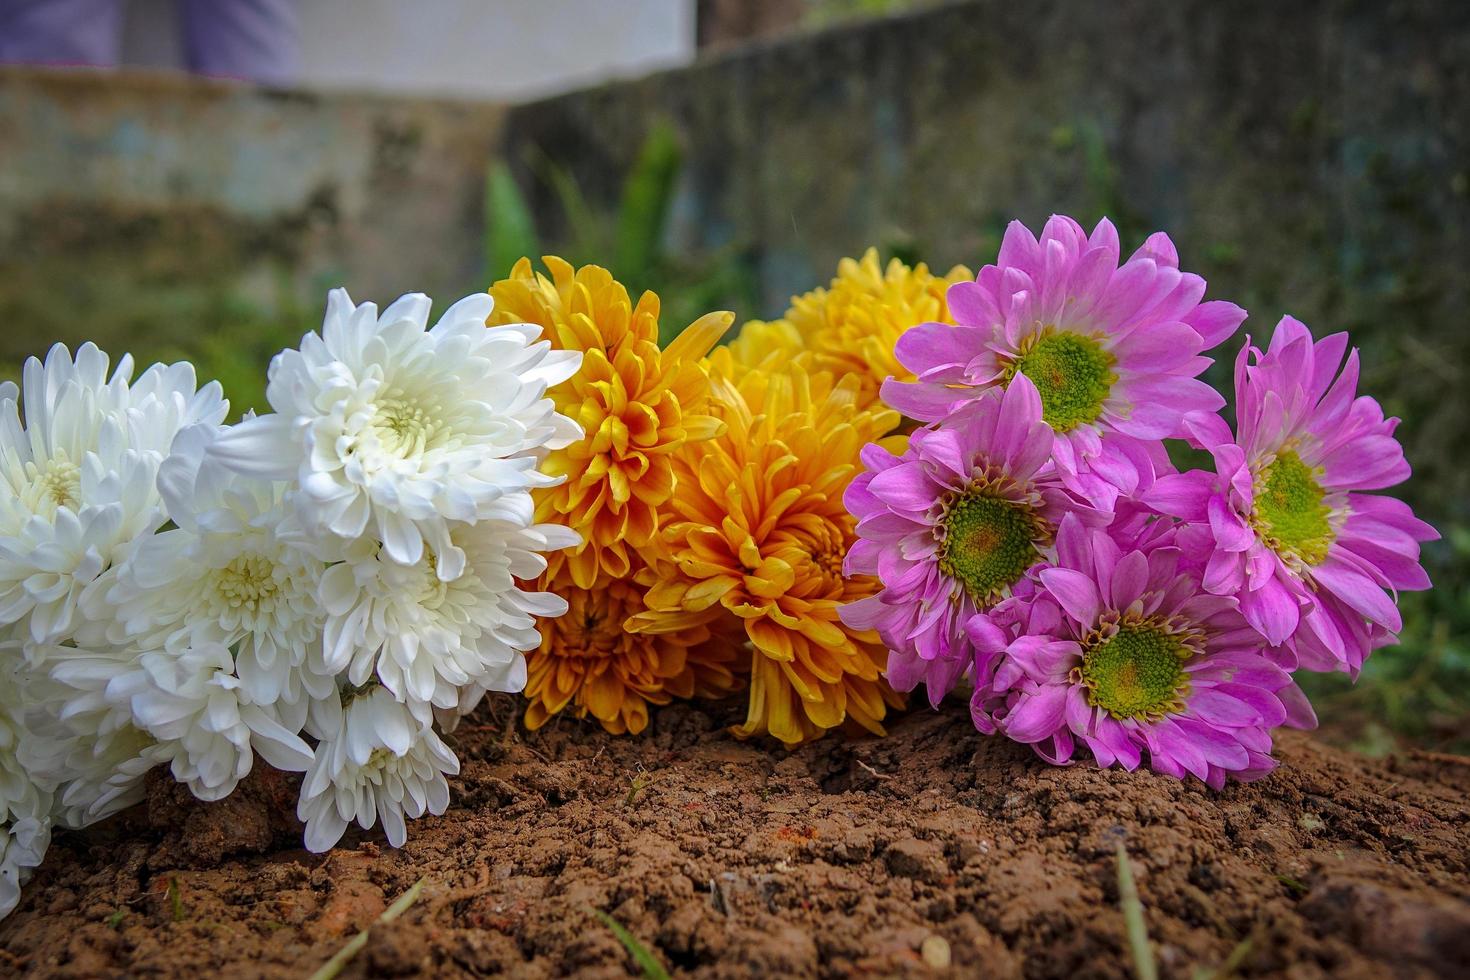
[1036, 716]
[1358, 591]
[928, 346]
[1215, 321]
[1221, 709]
[1184, 495]
[917, 400]
[1272, 610]
[1075, 592]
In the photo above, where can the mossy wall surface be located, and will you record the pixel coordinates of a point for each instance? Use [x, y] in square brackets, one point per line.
[1309, 157]
[146, 210]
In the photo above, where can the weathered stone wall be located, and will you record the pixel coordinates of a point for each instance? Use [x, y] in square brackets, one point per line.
[1308, 157]
[144, 206]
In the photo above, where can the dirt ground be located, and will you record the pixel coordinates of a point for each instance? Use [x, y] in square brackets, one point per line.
[871, 858]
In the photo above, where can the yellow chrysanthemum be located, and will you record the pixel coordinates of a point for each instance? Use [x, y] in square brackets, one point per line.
[589, 661]
[638, 405]
[759, 531]
[851, 328]
[758, 339]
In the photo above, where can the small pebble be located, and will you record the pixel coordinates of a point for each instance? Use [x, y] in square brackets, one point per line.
[935, 951]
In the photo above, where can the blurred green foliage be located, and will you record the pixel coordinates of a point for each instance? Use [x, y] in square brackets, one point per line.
[630, 240]
[823, 13]
[1418, 692]
[510, 232]
[238, 350]
[235, 350]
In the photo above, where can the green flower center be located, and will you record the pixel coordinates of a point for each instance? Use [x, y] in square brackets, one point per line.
[1290, 514]
[1072, 373]
[988, 544]
[1138, 672]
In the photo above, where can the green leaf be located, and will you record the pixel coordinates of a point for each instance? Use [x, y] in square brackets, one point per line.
[588, 231]
[647, 194]
[510, 232]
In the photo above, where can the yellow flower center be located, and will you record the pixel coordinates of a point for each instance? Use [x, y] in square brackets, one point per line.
[1137, 672]
[428, 588]
[593, 626]
[1072, 373]
[1290, 514]
[247, 581]
[829, 564]
[404, 426]
[57, 482]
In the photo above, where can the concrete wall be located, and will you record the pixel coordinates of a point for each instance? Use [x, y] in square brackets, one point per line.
[1310, 157]
[154, 207]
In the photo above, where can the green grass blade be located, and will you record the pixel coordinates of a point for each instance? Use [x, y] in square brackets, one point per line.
[1143, 954]
[652, 968]
[344, 955]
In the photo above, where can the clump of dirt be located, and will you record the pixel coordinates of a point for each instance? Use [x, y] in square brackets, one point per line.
[935, 851]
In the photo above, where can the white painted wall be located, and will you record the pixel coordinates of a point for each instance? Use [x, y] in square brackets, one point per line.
[492, 49]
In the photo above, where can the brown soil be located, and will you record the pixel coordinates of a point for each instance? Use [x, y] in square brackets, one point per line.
[730, 859]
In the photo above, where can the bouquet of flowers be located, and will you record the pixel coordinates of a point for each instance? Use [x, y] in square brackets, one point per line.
[956, 481]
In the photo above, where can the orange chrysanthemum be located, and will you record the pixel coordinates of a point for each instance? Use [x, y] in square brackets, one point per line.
[638, 405]
[851, 328]
[758, 532]
[589, 661]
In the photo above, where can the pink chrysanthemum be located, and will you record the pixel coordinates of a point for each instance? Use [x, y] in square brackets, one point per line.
[1308, 556]
[1115, 351]
[948, 528]
[1121, 653]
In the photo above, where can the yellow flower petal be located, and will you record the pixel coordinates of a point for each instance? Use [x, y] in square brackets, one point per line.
[695, 340]
[630, 398]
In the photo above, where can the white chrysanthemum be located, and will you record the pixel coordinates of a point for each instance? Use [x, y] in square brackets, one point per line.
[471, 695]
[374, 762]
[190, 703]
[425, 637]
[223, 575]
[77, 476]
[24, 838]
[81, 745]
[393, 430]
[25, 818]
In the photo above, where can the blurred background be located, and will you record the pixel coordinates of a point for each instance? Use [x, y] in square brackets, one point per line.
[186, 178]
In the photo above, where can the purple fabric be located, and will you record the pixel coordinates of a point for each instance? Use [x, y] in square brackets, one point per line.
[60, 32]
[252, 40]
